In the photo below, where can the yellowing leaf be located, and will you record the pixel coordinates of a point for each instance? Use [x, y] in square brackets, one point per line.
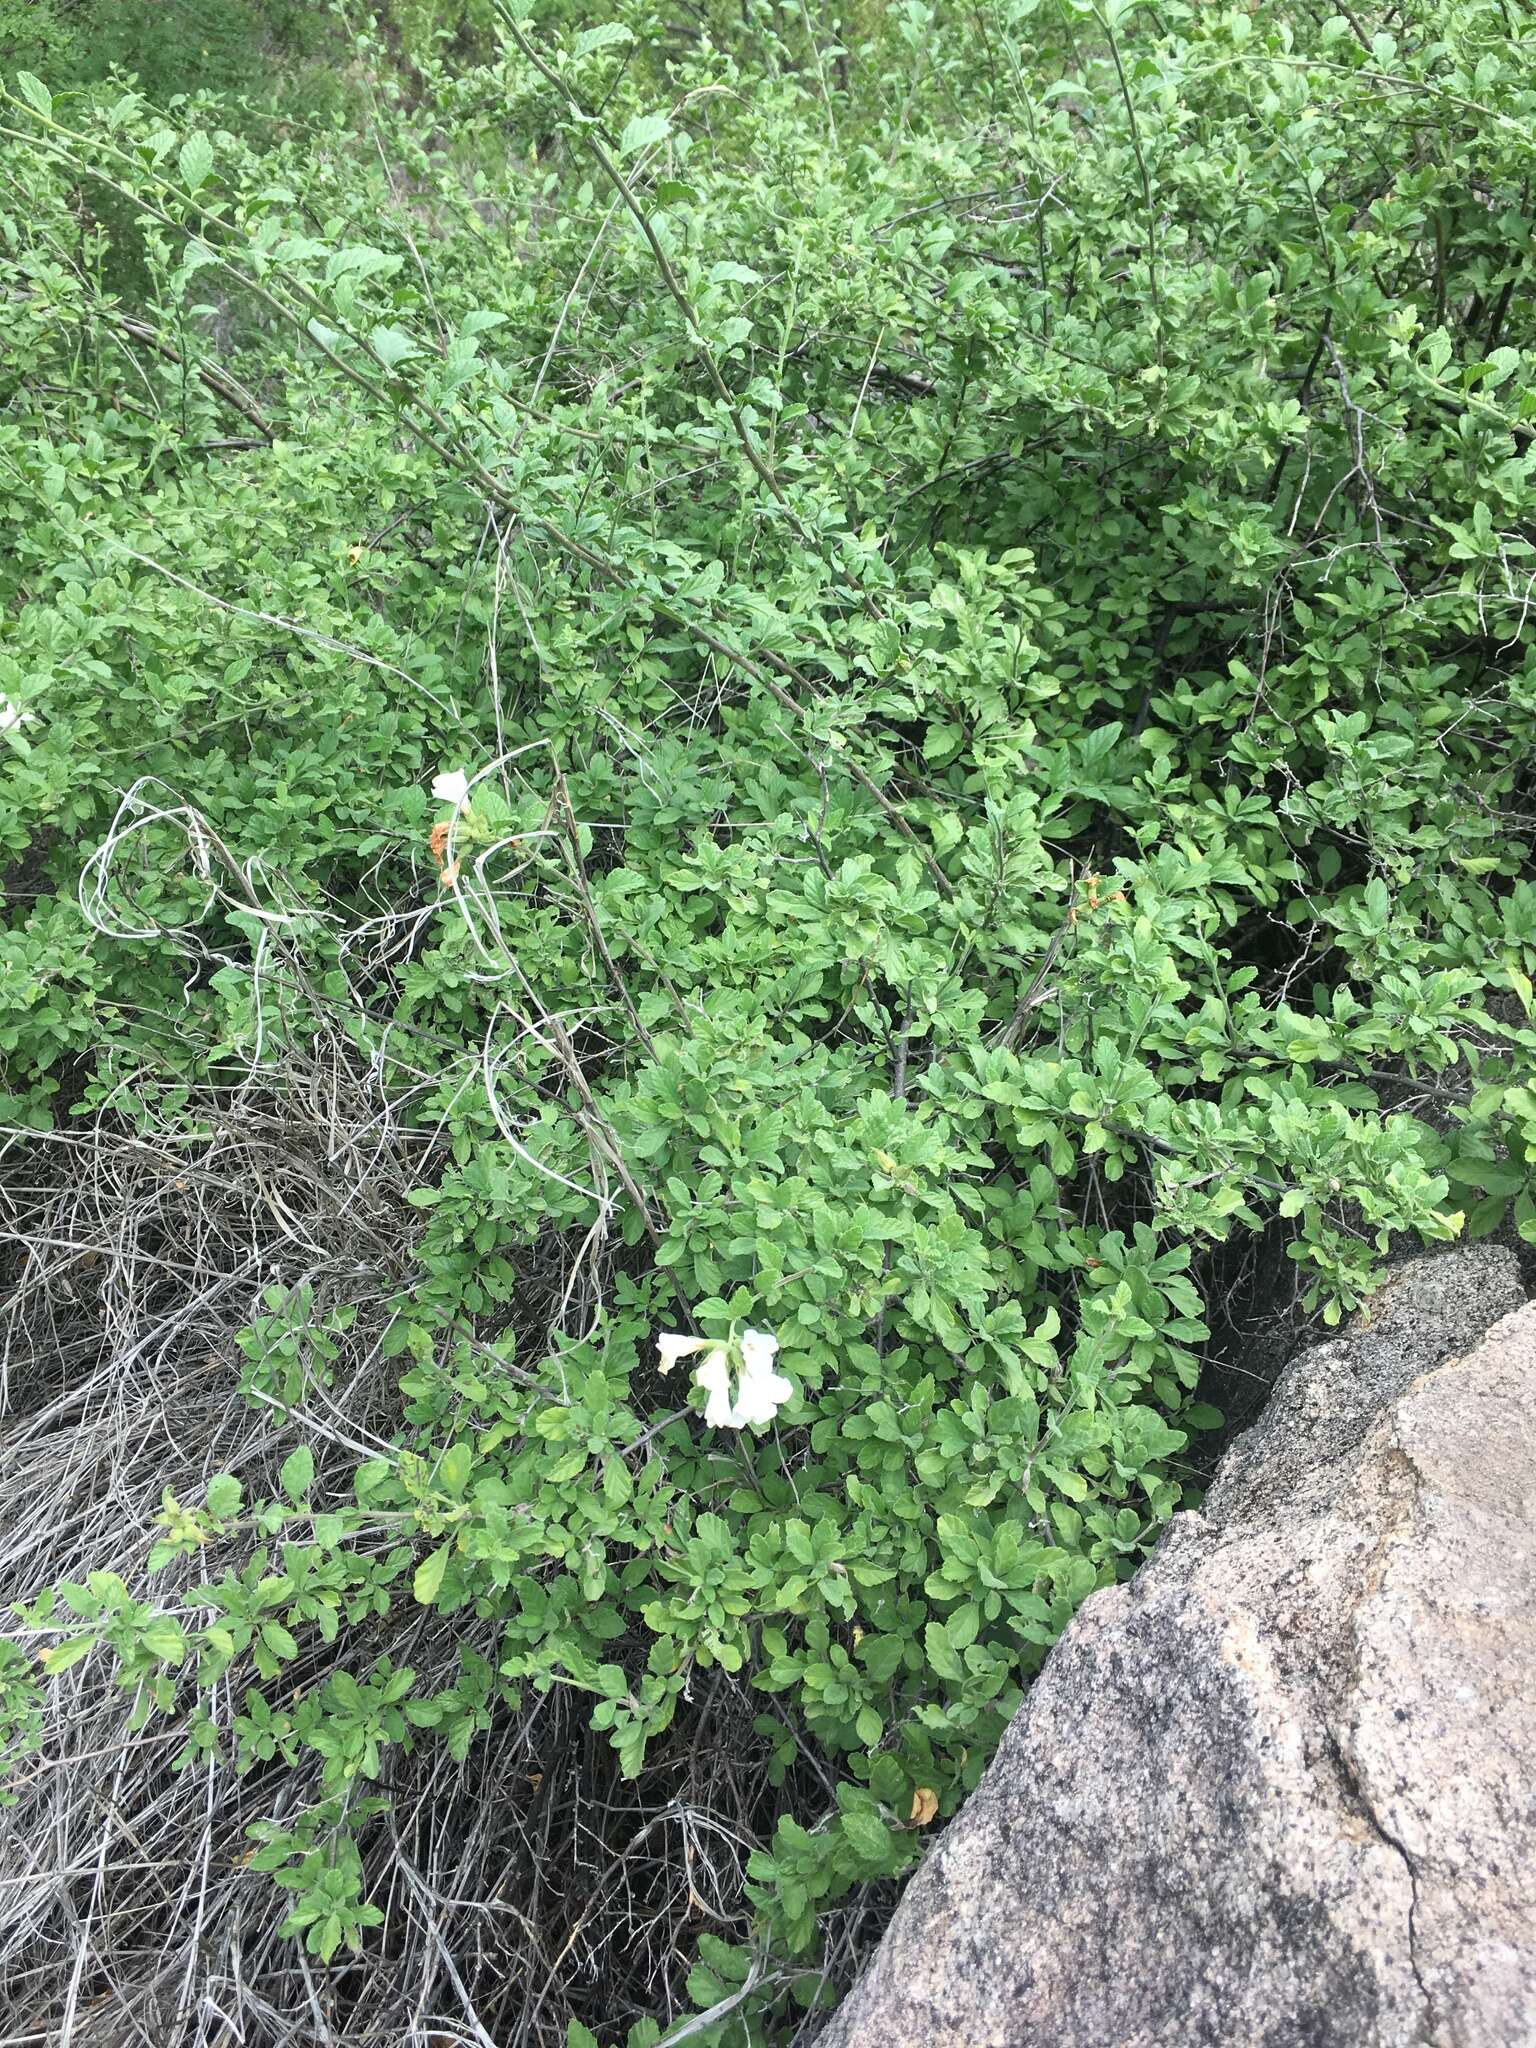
[59, 1656]
[925, 1804]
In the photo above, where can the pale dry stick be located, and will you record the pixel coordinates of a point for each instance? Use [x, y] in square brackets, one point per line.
[874, 356]
[601, 1136]
[497, 967]
[1518, 635]
[98, 1882]
[1037, 993]
[1355, 417]
[722, 2007]
[219, 381]
[1301, 490]
[493, 635]
[500, 958]
[95, 875]
[425, 1903]
[595, 1898]
[402, 225]
[821, 74]
[528, 626]
[569, 300]
[510, 1136]
[891, 813]
[578, 877]
[331, 1432]
[326, 2036]
[1407, 86]
[1146, 181]
[589, 1249]
[186, 1998]
[599, 1132]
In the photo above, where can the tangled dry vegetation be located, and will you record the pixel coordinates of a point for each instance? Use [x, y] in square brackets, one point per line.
[522, 1887]
[866, 687]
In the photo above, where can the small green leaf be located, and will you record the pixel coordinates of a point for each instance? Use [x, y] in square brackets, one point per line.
[35, 93]
[224, 1495]
[453, 1469]
[195, 161]
[429, 1574]
[278, 1640]
[1486, 1216]
[867, 1835]
[298, 1473]
[164, 1640]
[1501, 365]
[601, 38]
[644, 132]
[392, 347]
[1201, 1415]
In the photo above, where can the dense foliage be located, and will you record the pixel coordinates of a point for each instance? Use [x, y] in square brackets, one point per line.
[977, 565]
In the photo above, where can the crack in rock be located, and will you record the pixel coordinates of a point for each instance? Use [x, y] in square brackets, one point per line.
[1356, 1796]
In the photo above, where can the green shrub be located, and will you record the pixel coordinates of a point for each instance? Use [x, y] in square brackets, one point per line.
[235, 47]
[981, 586]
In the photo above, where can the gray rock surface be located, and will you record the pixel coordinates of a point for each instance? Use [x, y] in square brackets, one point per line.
[1326, 1399]
[1279, 1791]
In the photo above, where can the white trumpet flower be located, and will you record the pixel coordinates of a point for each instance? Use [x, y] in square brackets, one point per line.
[760, 1391]
[674, 1348]
[451, 787]
[714, 1376]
